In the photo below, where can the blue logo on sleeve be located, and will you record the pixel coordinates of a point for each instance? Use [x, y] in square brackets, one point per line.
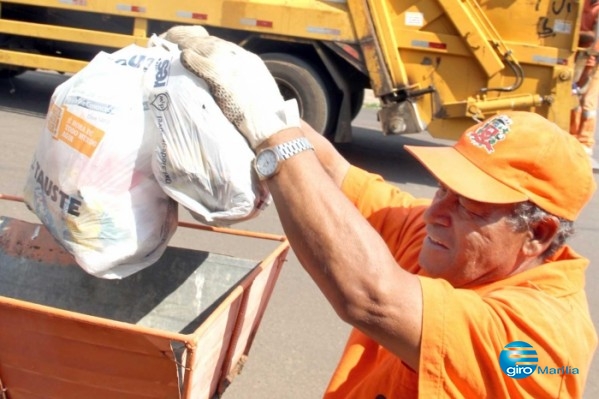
[518, 359]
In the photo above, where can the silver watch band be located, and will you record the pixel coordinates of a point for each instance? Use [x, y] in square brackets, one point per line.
[268, 161]
[290, 148]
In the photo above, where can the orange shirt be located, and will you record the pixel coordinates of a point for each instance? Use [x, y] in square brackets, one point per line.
[588, 20]
[464, 331]
[588, 16]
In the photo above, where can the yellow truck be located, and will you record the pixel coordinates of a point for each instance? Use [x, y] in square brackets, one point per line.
[435, 65]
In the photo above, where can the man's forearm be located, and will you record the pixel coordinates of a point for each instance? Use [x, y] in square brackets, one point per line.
[344, 255]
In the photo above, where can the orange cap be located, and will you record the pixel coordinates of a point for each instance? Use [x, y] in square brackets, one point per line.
[515, 157]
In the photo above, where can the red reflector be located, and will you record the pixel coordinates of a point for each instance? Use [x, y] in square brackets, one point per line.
[439, 46]
[351, 51]
[196, 15]
[264, 24]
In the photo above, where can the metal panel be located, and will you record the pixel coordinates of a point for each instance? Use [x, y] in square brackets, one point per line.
[168, 331]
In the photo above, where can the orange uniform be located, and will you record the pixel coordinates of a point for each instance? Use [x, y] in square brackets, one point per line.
[465, 330]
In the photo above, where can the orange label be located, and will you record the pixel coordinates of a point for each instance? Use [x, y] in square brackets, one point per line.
[79, 134]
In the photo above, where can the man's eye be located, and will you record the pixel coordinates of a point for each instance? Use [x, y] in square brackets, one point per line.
[471, 208]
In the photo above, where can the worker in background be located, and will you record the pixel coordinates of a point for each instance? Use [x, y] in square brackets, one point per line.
[583, 121]
[471, 294]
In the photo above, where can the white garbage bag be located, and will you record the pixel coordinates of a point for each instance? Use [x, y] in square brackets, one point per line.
[203, 162]
[91, 181]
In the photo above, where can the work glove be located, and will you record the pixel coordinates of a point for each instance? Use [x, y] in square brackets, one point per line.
[239, 81]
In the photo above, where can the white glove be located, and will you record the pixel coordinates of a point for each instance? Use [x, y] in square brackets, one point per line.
[239, 81]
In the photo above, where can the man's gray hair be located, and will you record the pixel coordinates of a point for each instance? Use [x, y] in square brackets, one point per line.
[526, 214]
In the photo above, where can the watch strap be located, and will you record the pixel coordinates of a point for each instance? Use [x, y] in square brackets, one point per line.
[290, 148]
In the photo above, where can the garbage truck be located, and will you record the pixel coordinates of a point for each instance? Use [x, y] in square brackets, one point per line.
[434, 65]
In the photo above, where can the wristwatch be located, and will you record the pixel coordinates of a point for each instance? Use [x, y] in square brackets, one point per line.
[268, 161]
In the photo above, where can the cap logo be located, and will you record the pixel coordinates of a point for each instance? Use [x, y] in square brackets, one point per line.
[493, 131]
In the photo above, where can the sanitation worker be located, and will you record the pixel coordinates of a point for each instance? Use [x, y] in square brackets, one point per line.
[472, 294]
[583, 119]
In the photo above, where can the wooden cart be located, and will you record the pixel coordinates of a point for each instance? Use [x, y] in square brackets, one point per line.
[181, 328]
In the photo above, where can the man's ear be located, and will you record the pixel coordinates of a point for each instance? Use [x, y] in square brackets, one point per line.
[541, 236]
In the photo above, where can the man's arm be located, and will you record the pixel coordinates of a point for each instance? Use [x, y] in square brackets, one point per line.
[343, 254]
[334, 164]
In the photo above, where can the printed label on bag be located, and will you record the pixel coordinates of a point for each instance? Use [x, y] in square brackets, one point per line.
[78, 133]
[53, 119]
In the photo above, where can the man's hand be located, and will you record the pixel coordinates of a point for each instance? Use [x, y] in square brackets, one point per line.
[239, 82]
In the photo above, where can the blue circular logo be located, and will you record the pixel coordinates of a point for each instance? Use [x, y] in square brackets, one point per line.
[518, 359]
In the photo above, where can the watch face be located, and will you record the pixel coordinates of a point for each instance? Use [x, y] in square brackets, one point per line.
[266, 162]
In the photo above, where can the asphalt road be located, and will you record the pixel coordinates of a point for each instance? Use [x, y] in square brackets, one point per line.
[300, 338]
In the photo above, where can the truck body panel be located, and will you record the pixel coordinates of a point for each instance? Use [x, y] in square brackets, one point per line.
[435, 65]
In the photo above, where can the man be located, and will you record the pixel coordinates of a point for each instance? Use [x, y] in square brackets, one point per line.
[472, 294]
[583, 121]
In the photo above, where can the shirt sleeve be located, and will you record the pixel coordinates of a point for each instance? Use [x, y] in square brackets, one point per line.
[395, 214]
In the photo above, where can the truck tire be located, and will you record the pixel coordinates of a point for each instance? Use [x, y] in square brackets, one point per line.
[357, 100]
[298, 79]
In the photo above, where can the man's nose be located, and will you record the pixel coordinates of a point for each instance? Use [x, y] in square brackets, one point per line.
[439, 210]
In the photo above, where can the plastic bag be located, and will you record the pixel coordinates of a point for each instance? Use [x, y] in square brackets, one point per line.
[203, 162]
[91, 181]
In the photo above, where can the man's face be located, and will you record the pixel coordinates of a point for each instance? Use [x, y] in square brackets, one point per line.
[470, 243]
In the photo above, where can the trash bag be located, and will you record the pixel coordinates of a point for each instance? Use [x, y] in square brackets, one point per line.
[202, 161]
[91, 181]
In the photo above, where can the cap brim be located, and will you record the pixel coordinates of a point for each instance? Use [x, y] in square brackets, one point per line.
[459, 174]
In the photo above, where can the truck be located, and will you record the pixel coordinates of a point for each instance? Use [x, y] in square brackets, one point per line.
[433, 65]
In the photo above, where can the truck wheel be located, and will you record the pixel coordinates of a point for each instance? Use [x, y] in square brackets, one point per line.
[357, 100]
[300, 80]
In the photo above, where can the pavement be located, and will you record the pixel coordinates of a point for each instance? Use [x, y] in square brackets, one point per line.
[370, 100]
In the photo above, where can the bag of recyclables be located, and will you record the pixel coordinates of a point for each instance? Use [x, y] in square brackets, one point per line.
[91, 181]
[202, 161]
[126, 138]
